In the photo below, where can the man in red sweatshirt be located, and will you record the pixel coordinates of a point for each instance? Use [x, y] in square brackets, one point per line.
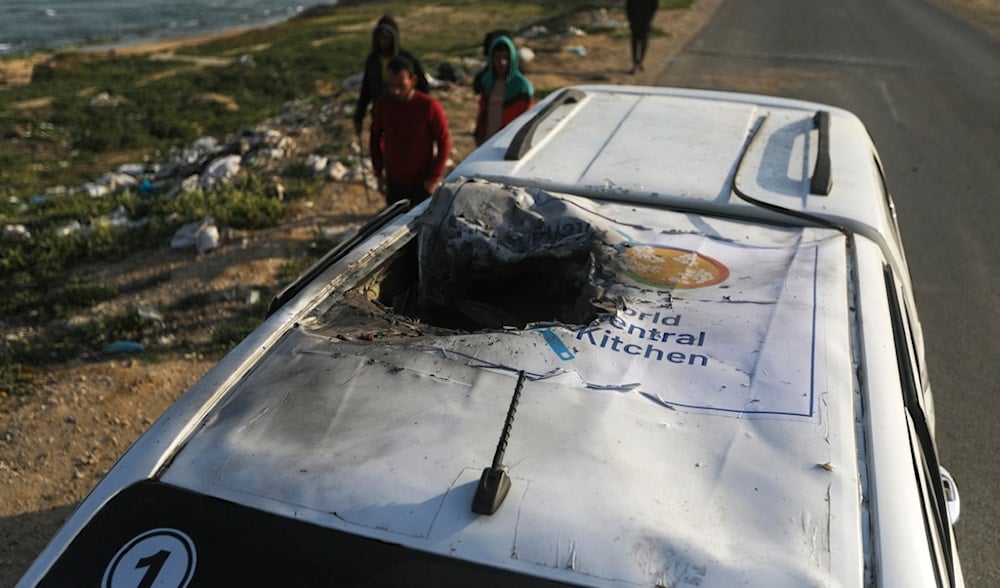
[410, 141]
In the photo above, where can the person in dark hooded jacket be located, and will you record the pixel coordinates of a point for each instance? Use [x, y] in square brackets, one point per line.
[385, 46]
[506, 92]
[640, 18]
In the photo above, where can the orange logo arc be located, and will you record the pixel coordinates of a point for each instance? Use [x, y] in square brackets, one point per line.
[671, 267]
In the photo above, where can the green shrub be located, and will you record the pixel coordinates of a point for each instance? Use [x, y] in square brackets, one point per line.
[71, 141]
[230, 333]
[244, 204]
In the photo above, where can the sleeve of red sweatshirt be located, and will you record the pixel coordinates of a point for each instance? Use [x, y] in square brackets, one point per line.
[442, 139]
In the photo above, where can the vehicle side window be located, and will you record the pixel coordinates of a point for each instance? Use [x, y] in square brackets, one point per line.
[925, 463]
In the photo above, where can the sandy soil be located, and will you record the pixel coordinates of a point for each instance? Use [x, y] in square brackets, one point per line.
[55, 445]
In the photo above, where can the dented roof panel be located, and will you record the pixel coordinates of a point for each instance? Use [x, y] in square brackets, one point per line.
[699, 430]
[682, 148]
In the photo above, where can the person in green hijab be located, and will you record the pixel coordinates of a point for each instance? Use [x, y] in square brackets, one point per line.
[506, 92]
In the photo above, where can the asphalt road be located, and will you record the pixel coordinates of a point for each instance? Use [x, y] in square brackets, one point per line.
[928, 87]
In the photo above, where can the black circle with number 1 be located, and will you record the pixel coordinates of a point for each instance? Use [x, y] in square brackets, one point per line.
[160, 557]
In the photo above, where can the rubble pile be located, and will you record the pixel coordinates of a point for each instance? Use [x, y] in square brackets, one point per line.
[210, 164]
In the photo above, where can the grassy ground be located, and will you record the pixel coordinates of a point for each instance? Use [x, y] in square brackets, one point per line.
[85, 112]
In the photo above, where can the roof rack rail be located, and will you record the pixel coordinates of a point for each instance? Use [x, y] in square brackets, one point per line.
[822, 181]
[813, 218]
[522, 140]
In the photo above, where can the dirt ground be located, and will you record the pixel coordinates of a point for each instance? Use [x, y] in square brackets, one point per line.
[56, 444]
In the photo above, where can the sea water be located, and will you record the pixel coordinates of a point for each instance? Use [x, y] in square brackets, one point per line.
[32, 25]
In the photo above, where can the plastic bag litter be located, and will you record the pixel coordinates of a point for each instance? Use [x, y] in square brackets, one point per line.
[220, 170]
[124, 347]
[203, 235]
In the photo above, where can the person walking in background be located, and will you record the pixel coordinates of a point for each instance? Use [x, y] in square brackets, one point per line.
[640, 18]
[385, 46]
[409, 142]
[506, 92]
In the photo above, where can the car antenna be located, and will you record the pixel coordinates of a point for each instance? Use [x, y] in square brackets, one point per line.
[495, 483]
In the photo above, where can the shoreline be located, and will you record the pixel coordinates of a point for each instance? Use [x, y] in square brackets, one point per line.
[17, 70]
[137, 39]
[157, 44]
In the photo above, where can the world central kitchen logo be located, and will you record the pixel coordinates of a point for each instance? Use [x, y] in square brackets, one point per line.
[671, 267]
[648, 335]
[651, 335]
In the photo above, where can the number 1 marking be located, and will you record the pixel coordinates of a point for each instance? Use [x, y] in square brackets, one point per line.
[164, 557]
[153, 564]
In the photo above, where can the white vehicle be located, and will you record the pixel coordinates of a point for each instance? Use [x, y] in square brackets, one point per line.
[641, 337]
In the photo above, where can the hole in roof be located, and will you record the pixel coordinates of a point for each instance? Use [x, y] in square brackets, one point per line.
[496, 260]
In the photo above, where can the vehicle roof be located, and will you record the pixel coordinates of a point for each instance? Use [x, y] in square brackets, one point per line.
[684, 147]
[701, 429]
[720, 455]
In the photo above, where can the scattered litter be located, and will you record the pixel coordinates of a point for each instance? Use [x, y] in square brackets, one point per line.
[203, 235]
[525, 55]
[120, 218]
[133, 169]
[147, 187]
[317, 163]
[208, 239]
[435, 83]
[116, 180]
[336, 172]
[103, 99]
[220, 170]
[447, 72]
[206, 144]
[535, 32]
[578, 50]
[124, 347]
[190, 183]
[277, 189]
[95, 190]
[352, 83]
[71, 228]
[149, 314]
[16, 233]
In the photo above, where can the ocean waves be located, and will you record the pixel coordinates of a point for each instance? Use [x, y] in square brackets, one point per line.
[29, 25]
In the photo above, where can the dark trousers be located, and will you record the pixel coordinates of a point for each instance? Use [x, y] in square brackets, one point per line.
[396, 191]
[640, 40]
